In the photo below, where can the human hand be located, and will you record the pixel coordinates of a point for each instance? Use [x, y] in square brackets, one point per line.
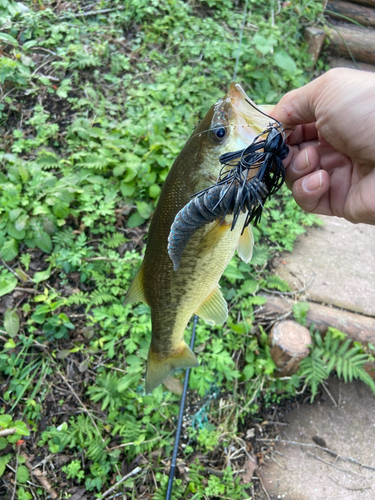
[331, 163]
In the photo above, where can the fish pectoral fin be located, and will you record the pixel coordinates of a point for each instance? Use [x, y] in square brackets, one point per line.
[213, 236]
[160, 367]
[214, 309]
[136, 290]
[245, 245]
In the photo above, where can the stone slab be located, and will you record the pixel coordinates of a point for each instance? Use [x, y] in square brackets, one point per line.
[337, 262]
[347, 429]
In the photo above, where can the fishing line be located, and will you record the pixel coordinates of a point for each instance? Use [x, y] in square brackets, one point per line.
[168, 495]
[240, 43]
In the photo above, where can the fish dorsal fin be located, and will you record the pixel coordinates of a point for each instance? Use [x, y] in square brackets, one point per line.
[214, 309]
[136, 290]
[245, 245]
[160, 367]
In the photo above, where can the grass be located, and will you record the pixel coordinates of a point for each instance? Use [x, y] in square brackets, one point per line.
[94, 109]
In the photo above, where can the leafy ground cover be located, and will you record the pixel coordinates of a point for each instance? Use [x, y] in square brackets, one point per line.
[97, 99]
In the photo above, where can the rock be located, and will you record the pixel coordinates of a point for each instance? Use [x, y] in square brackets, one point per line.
[347, 429]
[337, 262]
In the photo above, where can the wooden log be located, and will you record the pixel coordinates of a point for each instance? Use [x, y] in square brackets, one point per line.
[359, 41]
[341, 62]
[370, 369]
[363, 15]
[315, 39]
[358, 327]
[369, 3]
[289, 344]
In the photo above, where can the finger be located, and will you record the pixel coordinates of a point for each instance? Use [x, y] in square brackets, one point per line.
[295, 150]
[311, 192]
[305, 162]
[303, 133]
[298, 106]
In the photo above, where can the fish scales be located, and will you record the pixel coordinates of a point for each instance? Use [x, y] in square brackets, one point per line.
[174, 296]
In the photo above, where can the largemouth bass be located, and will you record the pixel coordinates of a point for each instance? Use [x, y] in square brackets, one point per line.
[174, 296]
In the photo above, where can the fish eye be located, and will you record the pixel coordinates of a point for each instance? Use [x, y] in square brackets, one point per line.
[218, 133]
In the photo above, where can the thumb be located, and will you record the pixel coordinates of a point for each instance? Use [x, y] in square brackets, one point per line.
[298, 106]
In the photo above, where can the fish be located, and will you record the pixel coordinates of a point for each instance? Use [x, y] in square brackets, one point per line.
[236, 190]
[174, 296]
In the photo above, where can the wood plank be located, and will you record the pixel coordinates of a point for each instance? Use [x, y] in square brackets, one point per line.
[359, 41]
[369, 3]
[361, 14]
[358, 327]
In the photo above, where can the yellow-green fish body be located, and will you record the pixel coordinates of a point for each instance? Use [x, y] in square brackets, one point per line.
[174, 296]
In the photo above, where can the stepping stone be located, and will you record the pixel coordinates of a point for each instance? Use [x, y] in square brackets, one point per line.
[310, 473]
[336, 262]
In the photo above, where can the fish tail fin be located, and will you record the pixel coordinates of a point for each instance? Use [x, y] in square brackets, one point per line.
[160, 367]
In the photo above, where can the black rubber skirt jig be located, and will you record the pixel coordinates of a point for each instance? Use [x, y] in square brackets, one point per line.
[236, 191]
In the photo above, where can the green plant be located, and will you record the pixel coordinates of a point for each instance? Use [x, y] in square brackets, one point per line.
[73, 470]
[333, 352]
[93, 112]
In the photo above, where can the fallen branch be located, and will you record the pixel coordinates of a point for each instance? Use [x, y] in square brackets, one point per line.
[333, 465]
[264, 488]
[93, 12]
[361, 488]
[7, 432]
[41, 478]
[132, 473]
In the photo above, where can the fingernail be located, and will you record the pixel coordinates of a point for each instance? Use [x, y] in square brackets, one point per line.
[312, 182]
[301, 162]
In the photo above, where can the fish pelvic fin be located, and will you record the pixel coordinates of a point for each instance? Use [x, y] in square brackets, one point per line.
[136, 291]
[245, 245]
[160, 367]
[214, 309]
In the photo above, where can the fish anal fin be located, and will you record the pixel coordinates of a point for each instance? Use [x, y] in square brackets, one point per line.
[136, 289]
[160, 367]
[174, 385]
[214, 309]
[245, 245]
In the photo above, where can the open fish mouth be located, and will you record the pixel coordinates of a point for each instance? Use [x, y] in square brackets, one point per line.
[249, 121]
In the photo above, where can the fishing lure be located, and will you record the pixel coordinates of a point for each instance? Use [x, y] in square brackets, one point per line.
[236, 190]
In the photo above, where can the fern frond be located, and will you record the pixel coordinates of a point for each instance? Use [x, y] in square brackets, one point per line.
[98, 298]
[95, 161]
[114, 240]
[366, 378]
[96, 450]
[331, 362]
[47, 160]
[344, 347]
[314, 370]
[318, 339]
[79, 298]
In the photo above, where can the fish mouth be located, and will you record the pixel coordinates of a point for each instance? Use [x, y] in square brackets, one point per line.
[249, 121]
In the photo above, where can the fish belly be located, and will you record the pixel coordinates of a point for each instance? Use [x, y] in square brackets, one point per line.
[202, 264]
